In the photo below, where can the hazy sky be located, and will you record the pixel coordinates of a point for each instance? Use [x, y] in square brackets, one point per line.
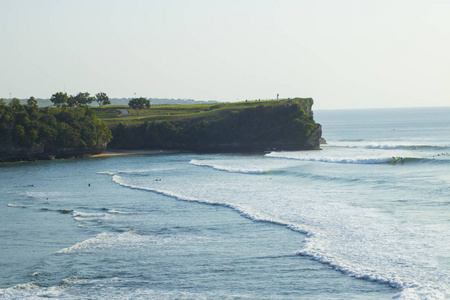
[342, 53]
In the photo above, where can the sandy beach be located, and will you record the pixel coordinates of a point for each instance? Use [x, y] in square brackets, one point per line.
[134, 152]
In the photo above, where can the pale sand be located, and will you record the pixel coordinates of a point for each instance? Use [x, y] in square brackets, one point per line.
[135, 152]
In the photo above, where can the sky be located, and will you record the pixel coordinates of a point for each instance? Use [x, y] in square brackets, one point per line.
[343, 54]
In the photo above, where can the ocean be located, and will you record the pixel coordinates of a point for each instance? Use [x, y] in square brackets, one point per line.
[366, 217]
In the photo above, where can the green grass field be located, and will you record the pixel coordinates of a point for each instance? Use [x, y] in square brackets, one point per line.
[112, 114]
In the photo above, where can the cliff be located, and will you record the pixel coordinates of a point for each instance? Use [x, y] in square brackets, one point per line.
[30, 133]
[242, 127]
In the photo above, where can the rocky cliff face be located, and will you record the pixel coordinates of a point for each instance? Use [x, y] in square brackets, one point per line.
[288, 125]
[314, 140]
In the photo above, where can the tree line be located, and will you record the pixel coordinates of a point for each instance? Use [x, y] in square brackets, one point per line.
[34, 131]
[81, 99]
[61, 99]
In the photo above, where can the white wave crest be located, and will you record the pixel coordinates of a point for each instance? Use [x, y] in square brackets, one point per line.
[17, 205]
[80, 216]
[218, 167]
[102, 241]
[133, 171]
[20, 291]
[106, 173]
[115, 211]
[396, 145]
[340, 160]
[105, 288]
[382, 146]
[243, 210]
[326, 242]
[126, 241]
[33, 291]
[77, 213]
[87, 244]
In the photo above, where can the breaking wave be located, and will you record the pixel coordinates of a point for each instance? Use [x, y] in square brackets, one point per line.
[102, 241]
[17, 205]
[244, 211]
[317, 246]
[340, 160]
[360, 160]
[219, 167]
[387, 146]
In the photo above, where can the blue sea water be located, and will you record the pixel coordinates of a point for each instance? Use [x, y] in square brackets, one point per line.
[367, 217]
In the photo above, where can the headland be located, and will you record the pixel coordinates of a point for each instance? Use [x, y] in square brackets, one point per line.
[31, 133]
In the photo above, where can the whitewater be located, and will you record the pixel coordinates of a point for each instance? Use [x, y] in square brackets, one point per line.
[366, 217]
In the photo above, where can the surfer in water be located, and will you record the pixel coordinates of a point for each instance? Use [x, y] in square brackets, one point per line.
[396, 160]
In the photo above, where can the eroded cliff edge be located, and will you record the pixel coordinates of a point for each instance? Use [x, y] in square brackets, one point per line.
[283, 125]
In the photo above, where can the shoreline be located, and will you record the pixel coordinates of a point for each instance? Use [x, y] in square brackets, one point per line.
[113, 153]
[132, 152]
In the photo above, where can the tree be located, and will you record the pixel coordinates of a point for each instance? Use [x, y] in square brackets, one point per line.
[15, 103]
[139, 103]
[59, 99]
[84, 98]
[71, 102]
[102, 99]
[32, 102]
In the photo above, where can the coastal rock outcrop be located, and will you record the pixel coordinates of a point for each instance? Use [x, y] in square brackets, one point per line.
[284, 125]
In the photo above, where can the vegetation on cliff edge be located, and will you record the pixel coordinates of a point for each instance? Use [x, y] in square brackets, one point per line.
[34, 131]
[227, 126]
[29, 132]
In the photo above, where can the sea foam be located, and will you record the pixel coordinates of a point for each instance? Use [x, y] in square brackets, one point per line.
[341, 160]
[17, 205]
[103, 241]
[243, 210]
[107, 288]
[231, 169]
[351, 240]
